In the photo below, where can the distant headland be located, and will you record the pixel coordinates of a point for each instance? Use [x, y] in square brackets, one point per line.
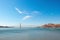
[50, 25]
[5, 27]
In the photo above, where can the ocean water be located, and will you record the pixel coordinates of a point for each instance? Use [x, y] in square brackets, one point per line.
[29, 34]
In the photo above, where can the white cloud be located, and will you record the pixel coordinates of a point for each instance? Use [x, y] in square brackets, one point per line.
[26, 17]
[35, 12]
[18, 11]
[32, 13]
[28, 13]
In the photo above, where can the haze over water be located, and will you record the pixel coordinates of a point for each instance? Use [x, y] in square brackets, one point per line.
[29, 34]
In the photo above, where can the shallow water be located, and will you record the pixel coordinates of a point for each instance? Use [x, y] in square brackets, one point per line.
[29, 34]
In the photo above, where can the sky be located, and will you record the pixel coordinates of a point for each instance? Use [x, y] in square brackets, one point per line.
[29, 12]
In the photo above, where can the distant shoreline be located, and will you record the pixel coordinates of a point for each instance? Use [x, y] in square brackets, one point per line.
[5, 27]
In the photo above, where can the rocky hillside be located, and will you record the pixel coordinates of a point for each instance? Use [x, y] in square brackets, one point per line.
[51, 25]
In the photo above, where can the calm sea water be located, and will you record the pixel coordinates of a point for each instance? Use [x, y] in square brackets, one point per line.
[29, 34]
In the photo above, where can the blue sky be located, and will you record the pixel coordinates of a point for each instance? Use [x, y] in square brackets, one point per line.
[33, 12]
